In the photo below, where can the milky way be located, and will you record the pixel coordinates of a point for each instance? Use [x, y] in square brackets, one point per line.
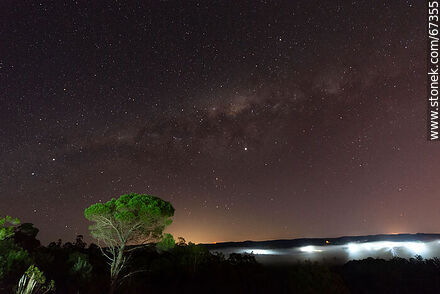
[257, 120]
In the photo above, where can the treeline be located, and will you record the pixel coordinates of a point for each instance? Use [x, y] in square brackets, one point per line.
[76, 267]
[136, 256]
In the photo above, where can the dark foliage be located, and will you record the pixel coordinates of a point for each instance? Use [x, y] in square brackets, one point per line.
[397, 275]
[190, 268]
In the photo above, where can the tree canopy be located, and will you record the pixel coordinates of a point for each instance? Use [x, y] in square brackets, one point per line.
[7, 225]
[132, 218]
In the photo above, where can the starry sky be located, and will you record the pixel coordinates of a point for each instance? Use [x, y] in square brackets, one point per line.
[256, 119]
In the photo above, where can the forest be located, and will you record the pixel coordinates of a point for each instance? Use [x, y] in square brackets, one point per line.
[121, 262]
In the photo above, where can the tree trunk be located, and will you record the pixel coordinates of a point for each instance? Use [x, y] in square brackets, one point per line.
[112, 286]
[118, 264]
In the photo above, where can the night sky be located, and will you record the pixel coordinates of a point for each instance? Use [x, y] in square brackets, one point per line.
[256, 119]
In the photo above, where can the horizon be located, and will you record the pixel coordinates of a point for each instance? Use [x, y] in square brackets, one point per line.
[90, 240]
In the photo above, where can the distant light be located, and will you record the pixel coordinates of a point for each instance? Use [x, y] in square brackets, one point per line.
[309, 249]
[259, 251]
[245, 148]
[415, 247]
[353, 248]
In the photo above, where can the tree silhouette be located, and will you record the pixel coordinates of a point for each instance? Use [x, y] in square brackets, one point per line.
[132, 219]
